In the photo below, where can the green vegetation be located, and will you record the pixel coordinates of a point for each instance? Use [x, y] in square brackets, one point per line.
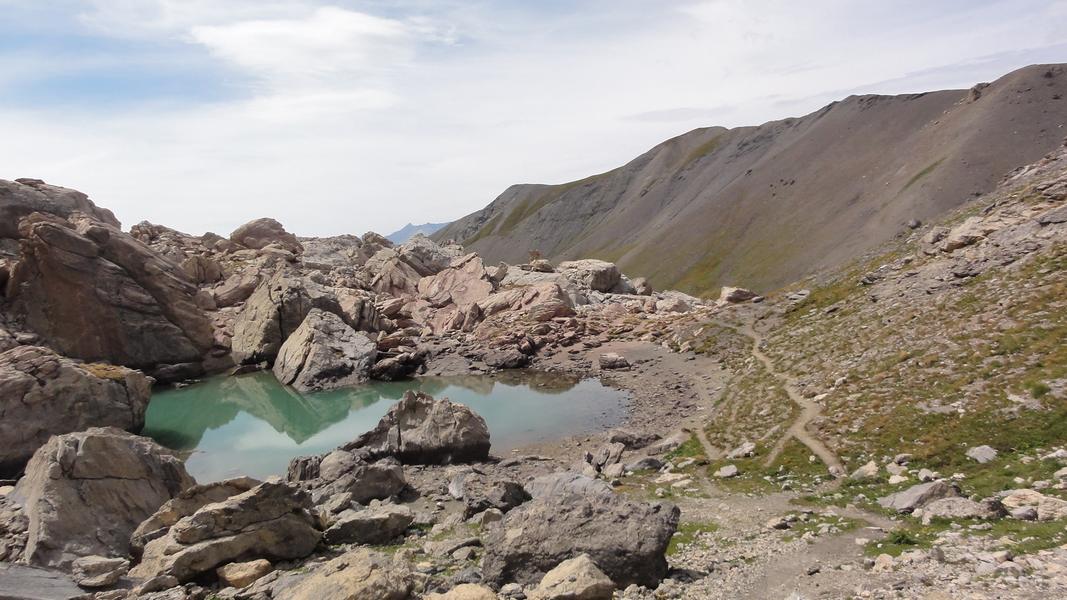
[105, 371]
[702, 150]
[485, 231]
[926, 171]
[689, 533]
[690, 449]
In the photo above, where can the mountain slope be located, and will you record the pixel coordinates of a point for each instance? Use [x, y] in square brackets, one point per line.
[763, 206]
[410, 230]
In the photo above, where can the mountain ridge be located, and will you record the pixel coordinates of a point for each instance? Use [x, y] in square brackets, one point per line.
[708, 207]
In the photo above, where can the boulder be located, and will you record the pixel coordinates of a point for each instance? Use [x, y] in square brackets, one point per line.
[392, 275]
[401, 366]
[187, 502]
[1049, 508]
[613, 361]
[202, 269]
[505, 358]
[627, 540]
[422, 430]
[672, 305]
[98, 294]
[745, 450]
[465, 591]
[356, 575]
[608, 454]
[918, 496]
[341, 472]
[425, 256]
[261, 233]
[43, 394]
[575, 579]
[324, 353]
[375, 525]
[243, 574]
[23, 197]
[735, 295]
[642, 287]
[566, 483]
[98, 571]
[960, 508]
[596, 275]
[330, 253]
[727, 471]
[982, 454]
[866, 472]
[77, 477]
[271, 520]
[237, 288]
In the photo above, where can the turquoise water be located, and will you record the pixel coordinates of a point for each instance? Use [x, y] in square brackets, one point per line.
[251, 425]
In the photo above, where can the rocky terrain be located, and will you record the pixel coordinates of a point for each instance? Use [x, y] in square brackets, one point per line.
[892, 428]
[765, 206]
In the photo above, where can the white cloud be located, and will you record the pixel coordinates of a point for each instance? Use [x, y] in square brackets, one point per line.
[352, 118]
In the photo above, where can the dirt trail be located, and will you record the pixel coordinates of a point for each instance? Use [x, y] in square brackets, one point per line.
[809, 409]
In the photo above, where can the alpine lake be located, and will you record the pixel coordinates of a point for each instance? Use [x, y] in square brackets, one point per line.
[252, 425]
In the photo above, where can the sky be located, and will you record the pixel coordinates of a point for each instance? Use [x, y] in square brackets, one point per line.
[350, 116]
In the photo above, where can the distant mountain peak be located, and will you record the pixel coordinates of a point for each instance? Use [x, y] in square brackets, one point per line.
[410, 230]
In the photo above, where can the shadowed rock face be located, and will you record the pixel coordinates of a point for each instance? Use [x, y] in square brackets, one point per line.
[85, 493]
[96, 293]
[764, 206]
[43, 394]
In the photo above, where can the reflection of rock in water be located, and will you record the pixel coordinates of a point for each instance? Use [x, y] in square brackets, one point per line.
[298, 417]
[479, 384]
[542, 381]
[179, 422]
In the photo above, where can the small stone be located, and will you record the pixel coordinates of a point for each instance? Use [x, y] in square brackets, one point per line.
[243, 574]
[98, 571]
[982, 454]
[727, 471]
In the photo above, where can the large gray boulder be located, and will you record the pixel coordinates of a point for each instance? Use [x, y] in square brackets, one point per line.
[43, 394]
[566, 483]
[592, 274]
[261, 233]
[84, 493]
[627, 540]
[918, 496]
[280, 304]
[422, 430]
[341, 472]
[184, 504]
[324, 353]
[374, 525]
[95, 293]
[271, 520]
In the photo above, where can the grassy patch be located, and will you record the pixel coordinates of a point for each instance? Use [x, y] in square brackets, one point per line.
[689, 533]
[105, 371]
[921, 174]
[691, 449]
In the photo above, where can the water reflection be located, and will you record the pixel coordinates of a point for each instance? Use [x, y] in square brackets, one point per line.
[251, 425]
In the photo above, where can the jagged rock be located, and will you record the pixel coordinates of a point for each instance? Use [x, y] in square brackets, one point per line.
[332, 252]
[596, 275]
[359, 574]
[465, 591]
[566, 483]
[960, 508]
[613, 361]
[422, 430]
[608, 454]
[187, 502]
[341, 471]
[43, 394]
[576, 579]
[261, 233]
[627, 540]
[237, 288]
[735, 295]
[501, 496]
[426, 256]
[202, 269]
[982, 454]
[280, 305]
[98, 294]
[324, 354]
[271, 520]
[918, 496]
[376, 525]
[392, 275]
[867, 472]
[77, 477]
[969, 232]
[243, 574]
[1049, 508]
[23, 197]
[98, 571]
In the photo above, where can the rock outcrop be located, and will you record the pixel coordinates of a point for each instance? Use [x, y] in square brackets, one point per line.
[422, 430]
[271, 520]
[84, 493]
[324, 353]
[98, 294]
[261, 233]
[343, 472]
[184, 504]
[597, 275]
[43, 394]
[357, 574]
[23, 197]
[627, 540]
